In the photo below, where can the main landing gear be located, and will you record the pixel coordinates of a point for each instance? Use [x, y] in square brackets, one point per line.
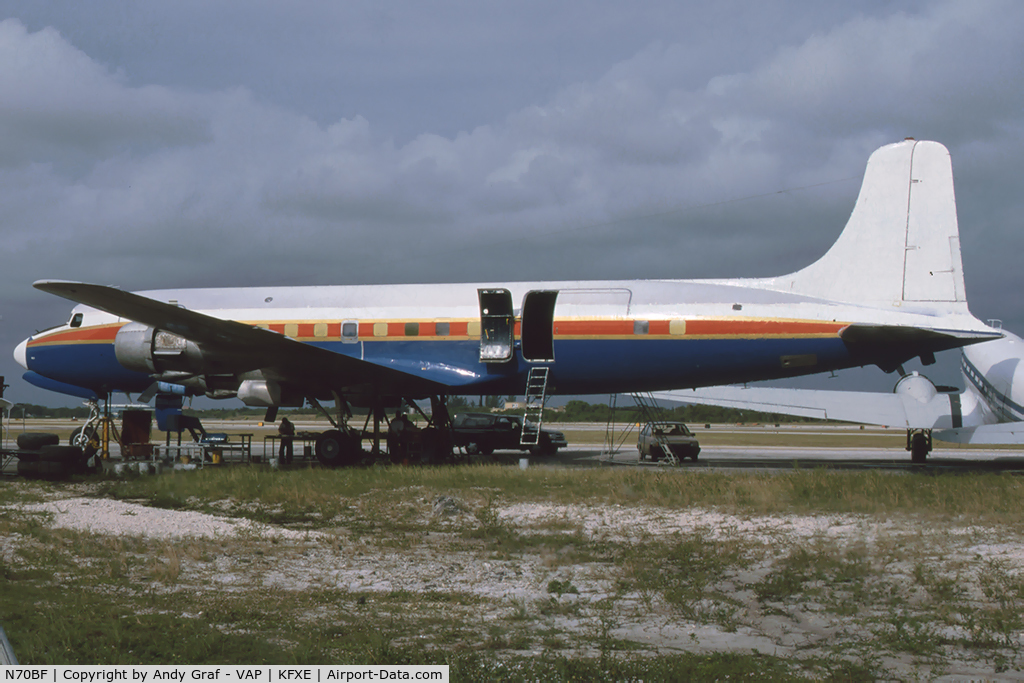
[919, 443]
[343, 445]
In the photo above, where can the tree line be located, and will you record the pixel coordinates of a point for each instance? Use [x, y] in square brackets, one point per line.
[573, 411]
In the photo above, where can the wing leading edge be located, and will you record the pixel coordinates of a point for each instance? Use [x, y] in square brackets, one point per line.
[276, 355]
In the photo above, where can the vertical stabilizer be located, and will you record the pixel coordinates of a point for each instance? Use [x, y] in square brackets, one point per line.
[901, 244]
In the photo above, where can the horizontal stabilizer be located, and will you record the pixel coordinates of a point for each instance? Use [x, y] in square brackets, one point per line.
[1006, 434]
[889, 346]
[865, 407]
[847, 406]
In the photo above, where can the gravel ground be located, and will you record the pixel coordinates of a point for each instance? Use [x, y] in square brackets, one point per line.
[592, 606]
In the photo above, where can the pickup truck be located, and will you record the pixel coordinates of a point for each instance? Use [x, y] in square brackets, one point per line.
[485, 433]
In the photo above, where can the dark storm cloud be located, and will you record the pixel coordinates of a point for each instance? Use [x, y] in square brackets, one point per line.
[162, 145]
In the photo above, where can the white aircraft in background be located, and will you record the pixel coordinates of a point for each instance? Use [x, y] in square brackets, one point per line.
[989, 411]
[890, 289]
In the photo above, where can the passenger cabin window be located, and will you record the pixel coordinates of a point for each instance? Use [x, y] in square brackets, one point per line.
[442, 329]
[76, 320]
[412, 329]
[640, 327]
[349, 332]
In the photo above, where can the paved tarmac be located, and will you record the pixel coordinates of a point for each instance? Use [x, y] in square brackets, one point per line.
[758, 457]
[768, 457]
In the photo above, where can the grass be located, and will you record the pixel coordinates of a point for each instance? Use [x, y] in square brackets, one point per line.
[319, 497]
[912, 589]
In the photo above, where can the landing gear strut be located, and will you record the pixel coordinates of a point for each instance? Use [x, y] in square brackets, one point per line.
[919, 443]
[343, 445]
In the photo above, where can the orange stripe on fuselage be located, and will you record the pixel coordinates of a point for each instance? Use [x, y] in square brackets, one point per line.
[99, 334]
[760, 328]
[458, 330]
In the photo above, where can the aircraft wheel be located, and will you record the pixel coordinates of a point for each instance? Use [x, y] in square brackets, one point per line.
[84, 437]
[335, 449]
[919, 449]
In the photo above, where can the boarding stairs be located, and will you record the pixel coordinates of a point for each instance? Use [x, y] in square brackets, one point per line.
[536, 396]
[650, 411]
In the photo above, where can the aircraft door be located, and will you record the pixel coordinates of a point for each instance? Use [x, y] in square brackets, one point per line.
[538, 326]
[496, 325]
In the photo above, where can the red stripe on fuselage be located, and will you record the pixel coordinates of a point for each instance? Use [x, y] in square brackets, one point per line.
[565, 328]
[99, 334]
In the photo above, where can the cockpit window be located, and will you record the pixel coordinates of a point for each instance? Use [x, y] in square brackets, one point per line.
[76, 320]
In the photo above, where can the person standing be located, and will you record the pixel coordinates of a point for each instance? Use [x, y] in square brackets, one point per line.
[287, 432]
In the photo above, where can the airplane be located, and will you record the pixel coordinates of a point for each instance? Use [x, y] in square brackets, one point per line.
[890, 289]
[989, 411]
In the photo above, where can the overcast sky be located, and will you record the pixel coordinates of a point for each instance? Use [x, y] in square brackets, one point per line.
[198, 143]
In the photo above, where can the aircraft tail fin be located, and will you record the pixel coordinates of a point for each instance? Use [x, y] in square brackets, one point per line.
[902, 242]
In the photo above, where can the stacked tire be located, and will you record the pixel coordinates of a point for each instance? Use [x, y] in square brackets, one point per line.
[41, 456]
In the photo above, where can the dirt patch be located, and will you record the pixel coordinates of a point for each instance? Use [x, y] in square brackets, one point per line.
[900, 595]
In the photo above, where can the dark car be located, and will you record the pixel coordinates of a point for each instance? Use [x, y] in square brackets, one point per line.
[676, 437]
[485, 433]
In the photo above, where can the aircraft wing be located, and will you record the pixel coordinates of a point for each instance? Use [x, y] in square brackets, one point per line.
[848, 406]
[277, 355]
[1007, 433]
[866, 407]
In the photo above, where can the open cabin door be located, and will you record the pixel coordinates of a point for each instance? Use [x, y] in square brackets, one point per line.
[538, 327]
[497, 322]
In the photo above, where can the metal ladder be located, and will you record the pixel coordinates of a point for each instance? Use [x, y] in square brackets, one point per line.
[613, 443]
[536, 395]
[650, 411]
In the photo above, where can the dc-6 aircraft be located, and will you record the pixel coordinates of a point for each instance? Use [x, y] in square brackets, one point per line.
[890, 289]
[989, 411]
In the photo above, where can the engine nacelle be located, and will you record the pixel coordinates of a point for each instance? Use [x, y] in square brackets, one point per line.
[155, 352]
[917, 387]
[267, 393]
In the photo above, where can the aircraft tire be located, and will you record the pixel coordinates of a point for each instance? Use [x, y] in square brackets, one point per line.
[82, 437]
[329, 448]
[919, 449]
[33, 441]
[335, 449]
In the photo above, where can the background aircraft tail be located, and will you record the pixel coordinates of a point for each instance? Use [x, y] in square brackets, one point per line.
[901, 244]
